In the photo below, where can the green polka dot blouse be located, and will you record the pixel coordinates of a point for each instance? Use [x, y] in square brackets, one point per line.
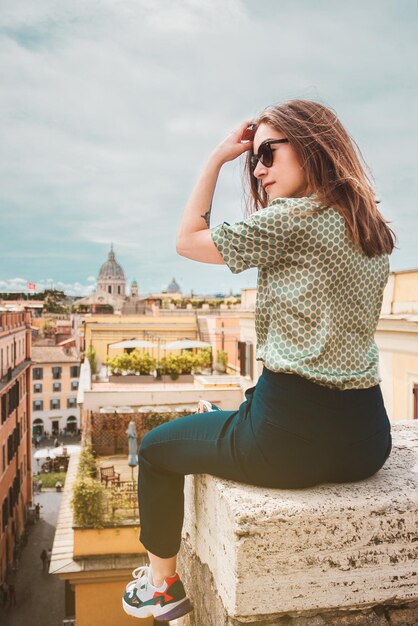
[318, 296]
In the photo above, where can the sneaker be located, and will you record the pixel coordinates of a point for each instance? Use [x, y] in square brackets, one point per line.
[143, 599]
[205, 406]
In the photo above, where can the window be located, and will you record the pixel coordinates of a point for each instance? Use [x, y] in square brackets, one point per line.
[245, 357]
[55, 403]
[74, 371]
[38, 405]
[56, 386]
[56, 373]
[4, 458]
[37, 388]
[5, 513]
[11, 446]
[38, 373]
[74, 385]
[71, 403]
[415, 394]
[4, 408]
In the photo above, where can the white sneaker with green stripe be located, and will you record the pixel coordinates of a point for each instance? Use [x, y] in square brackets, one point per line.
[143, 599]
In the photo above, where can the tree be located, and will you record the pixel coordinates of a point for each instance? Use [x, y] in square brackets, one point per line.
[48, 328]
[92, 357]
[54, 301]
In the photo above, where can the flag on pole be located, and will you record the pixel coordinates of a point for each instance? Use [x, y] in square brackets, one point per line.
[31, 287]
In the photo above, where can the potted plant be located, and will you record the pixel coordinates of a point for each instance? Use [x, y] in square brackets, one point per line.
[143, 365]
[120, 365]
[221, 361]
[115, 366]
[111, 364]
[125, 364]
[177, 367]
[132, 368]
[202, 360]
[92, 357]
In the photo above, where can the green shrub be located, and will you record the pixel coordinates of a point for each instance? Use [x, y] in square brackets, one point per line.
[131, 363]
[91, 356]
[124, 363]
[110, 362]
[202, 359]
[87, 464]
[222, 358]
[186, 361]
[171, 366]
[143, 363]
[176, 364]
[88, 502]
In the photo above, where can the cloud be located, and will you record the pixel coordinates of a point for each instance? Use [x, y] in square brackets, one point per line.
[109, 108]
[19, 285]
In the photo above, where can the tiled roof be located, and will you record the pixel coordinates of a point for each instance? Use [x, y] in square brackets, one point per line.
[54, 354]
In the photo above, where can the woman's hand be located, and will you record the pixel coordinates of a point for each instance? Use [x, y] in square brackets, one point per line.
[233, 146]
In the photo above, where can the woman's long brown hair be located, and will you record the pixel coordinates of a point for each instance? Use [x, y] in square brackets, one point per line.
[334, 168]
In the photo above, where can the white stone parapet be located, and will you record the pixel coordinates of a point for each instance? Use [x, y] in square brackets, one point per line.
[270, 552]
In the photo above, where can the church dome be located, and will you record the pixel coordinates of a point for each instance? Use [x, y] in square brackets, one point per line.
[173, 287]
[111, 270]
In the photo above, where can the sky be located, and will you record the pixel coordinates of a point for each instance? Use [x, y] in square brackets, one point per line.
[109, 108]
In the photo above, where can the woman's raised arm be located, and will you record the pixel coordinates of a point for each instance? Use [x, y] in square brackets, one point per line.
[194, 240]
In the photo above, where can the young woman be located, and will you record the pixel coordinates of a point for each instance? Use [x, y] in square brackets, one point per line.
[316, 413]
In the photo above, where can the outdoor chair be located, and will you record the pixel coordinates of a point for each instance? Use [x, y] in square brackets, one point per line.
[108, 475]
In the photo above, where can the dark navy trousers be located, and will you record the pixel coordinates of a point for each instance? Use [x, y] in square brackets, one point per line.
[288, 433]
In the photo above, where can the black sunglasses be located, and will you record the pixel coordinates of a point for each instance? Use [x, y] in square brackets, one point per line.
[265, 153]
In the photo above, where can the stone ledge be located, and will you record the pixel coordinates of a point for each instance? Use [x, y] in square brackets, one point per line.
[273, 553]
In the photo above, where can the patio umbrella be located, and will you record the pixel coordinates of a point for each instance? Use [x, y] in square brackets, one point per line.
[182, 344]
[44, 453]
[65, 450]
[133, 343]
[133, 446]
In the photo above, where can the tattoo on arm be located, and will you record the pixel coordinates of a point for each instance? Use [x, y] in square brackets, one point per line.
[206, 216]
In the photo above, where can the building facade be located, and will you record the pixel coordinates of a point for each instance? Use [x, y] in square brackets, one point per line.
[15, 434]
[54, 385]
[101, 331]
[397, 340]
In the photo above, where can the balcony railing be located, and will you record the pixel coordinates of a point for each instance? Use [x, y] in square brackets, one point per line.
[121, 502]
[13, 373]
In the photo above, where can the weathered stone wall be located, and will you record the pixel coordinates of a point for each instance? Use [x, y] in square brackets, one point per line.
[209, 609]
[337, 554]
